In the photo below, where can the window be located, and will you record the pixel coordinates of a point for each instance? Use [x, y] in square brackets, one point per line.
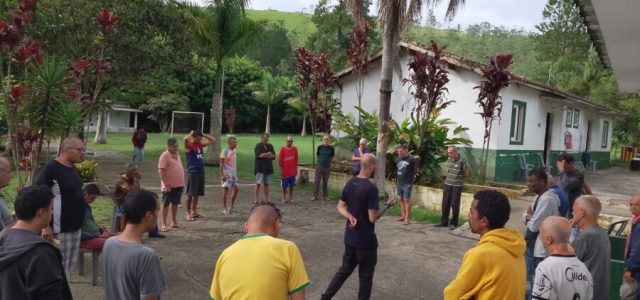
[605, 134]
[518, 113]
[569, 117]
[576, 118]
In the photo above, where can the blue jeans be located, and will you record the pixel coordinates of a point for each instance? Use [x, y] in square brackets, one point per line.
[532, 263]
[138, 154]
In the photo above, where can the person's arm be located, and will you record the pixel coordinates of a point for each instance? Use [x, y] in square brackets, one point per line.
[210, 140]
[299, 295]
[471, 271]
[342, 209]
[152, 282]
[632, 262]
[281, 158]
[298, 279]
[546, 207]
[355, 158]
[163, 174]
[572, 182]
[272, 152]
[49, 282]
[586, 190]
[297, 157]
[375, 214]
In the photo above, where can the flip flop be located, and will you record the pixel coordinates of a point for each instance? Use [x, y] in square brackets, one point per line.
[163, 229]
[405, 223]
[190, 219]
[197, 216]
[177, 226]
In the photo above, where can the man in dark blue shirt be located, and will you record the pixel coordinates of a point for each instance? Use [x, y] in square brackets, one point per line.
[359, 205]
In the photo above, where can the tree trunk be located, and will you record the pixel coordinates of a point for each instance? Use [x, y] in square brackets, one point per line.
[389, 52]
[304, 125]
[101, 129]
[216, 118]
[267, 127]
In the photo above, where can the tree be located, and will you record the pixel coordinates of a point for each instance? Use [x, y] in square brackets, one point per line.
[271, 90]
[160, 108]
[394, 16]
[273, 48]
[220, 30]
[358, 54]
[495, 79]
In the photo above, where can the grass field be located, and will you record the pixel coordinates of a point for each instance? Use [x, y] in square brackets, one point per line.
[156, 144]
[298, 25]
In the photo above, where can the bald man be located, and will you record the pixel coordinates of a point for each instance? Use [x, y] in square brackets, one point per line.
[561, 275]
[359, 206]
[6, 218]
[69, 206]
[259, 265]
[632, 251]
[592, 244]
[357, 156]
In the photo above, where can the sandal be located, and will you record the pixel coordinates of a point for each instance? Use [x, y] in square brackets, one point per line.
[190, 219]
[405, 223]
[176, 226]
[163, 229]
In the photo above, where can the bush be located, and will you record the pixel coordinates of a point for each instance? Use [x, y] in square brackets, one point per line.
[88, 170]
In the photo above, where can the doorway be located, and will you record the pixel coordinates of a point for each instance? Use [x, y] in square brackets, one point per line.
[546, 153]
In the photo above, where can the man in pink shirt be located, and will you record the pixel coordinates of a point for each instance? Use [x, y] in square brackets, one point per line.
[288, 161]
[171, 182]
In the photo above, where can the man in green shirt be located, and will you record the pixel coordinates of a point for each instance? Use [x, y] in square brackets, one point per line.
[325, 154]
[453, 188]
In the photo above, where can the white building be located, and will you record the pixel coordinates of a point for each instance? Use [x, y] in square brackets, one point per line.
[538, 121]
[120, 118]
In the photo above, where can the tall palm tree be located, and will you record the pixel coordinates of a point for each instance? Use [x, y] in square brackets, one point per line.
[221, 29]
[394, 17]
[271, 90]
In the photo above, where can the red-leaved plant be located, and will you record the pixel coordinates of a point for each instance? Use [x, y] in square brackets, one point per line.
[358, 54]
[495, 78]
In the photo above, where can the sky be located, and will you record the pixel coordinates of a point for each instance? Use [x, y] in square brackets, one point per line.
[518, 14]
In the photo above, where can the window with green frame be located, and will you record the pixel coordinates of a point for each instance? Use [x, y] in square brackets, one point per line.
[518, 114]
[605, 134]
[569, 122]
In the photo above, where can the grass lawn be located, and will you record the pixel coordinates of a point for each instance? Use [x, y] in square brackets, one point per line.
[156, 144]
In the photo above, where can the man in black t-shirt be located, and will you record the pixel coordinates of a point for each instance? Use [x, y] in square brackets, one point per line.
[68, 201]
[263, 166]
[406, 171]
[359, 205]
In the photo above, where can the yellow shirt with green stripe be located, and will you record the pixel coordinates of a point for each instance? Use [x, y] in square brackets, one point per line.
[258, 267]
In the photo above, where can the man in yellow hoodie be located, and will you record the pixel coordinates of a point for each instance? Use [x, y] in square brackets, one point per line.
[493, 269]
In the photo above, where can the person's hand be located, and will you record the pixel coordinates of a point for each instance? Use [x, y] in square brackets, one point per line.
[627, 277]
[571, 250]
[391, 201]
[47, 234]
[573, 222]
[352, 222]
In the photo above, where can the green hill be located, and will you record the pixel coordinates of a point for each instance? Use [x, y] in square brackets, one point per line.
[298, 25]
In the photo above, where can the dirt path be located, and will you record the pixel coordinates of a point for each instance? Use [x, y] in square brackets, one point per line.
[414, 262]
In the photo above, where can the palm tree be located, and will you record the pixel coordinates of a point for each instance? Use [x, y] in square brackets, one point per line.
[271, 90]
[394, 17]
[220, 30]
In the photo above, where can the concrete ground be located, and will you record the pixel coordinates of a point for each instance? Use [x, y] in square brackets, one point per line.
[414, 262]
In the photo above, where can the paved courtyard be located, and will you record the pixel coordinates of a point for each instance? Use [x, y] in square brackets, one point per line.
[414, 262]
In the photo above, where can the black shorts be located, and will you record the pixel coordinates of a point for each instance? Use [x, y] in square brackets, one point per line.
[195, 184]
[172, 197]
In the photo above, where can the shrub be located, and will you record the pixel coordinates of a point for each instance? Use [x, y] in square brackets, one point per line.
[88, 170]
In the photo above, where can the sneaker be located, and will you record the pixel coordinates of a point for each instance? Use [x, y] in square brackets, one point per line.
[225, 212]
[314, 198]
[453, 227]
[440, 225]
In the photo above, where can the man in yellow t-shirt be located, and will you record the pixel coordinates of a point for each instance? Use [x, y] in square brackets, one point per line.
[259, 265]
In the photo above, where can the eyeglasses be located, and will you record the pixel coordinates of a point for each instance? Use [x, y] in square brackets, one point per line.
[77, 149]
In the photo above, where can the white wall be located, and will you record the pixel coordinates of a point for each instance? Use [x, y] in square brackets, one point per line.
[465, 111]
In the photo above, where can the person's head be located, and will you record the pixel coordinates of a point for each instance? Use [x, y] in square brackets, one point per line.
[555, 232]
[264, 218]
[362, 143]
[452, 152]
[289, 141]
[72, 150]
[326, 140]
[5, 172]
[197, 136]
[172, 145]
[586, 209]
[141, 208]
[565, 163]
[34, 204]
[367, 165]
[140, 128]
[131, 169]
[264, 138]
[402, 151]
[232, 142]
[489, 210]
[634, 205]
[91, 192]
[537, 181]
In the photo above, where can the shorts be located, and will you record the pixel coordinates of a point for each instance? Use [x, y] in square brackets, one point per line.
[262, 178]
[231, 181]
[404, 191]
[289, 182]
[172, 196]
[195, 184]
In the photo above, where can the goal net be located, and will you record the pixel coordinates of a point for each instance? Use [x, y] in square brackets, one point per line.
[182, 122]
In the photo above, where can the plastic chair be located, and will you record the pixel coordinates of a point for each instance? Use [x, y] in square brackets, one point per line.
[95, 264]
[524, 166]
[621, 225]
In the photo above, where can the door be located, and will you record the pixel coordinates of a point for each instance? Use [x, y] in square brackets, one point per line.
[547, 140]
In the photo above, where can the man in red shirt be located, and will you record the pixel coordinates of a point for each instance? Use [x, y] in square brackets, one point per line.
[288, 161]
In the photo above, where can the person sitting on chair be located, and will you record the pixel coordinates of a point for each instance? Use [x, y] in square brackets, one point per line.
[92, 236]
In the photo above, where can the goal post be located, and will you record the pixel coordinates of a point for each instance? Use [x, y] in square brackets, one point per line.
[182, 122]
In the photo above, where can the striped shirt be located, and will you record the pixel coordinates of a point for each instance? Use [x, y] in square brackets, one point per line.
[455, 176]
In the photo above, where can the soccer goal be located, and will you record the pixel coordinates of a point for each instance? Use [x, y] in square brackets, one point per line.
[182, 122]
